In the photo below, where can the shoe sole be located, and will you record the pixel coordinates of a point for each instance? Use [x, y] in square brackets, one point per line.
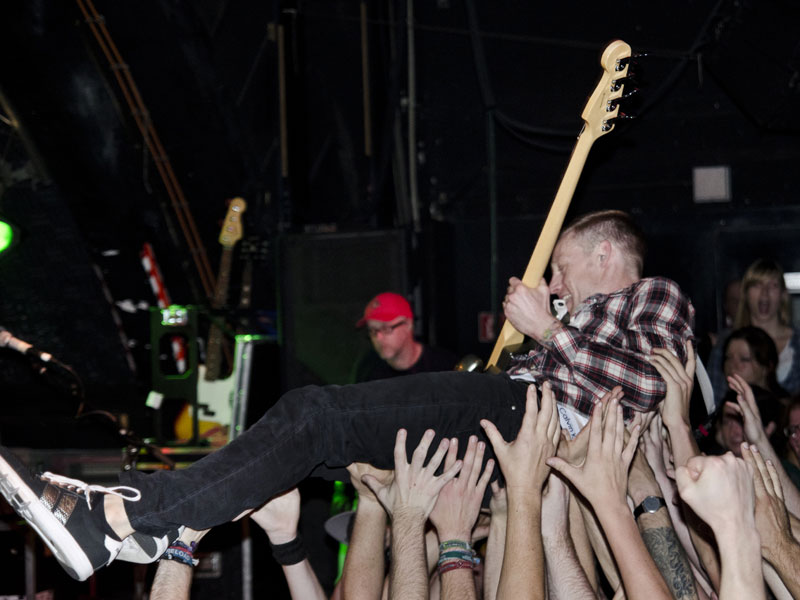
[27, 505]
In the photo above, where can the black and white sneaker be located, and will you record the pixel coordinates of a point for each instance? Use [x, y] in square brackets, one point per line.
[66, 513]
[142, 548]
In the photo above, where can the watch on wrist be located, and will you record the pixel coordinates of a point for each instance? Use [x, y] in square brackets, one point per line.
[650, 505]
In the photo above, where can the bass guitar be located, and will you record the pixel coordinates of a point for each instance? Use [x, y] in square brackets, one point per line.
[599, 114]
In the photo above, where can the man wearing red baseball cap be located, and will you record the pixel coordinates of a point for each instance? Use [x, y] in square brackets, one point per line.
[389, 321]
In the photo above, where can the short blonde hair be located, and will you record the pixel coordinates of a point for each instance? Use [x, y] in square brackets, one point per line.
[614, 225]
[762, 270]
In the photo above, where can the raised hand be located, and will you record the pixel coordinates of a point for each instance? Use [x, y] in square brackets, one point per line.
[279, 517]
[680, 381]
[528, 309]
[384, 478]
[719, 489]
[747, 407]
[772, 518]
[459, 501]
[523, 460]
[603, 476]
[415, 485]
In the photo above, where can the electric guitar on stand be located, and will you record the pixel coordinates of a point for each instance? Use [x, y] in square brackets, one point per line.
[599, 114]
[214, 395]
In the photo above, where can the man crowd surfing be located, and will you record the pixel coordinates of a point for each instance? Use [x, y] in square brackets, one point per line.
[595, 483]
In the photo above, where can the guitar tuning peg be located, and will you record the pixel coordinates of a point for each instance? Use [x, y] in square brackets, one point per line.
[628, 93]
[608, 124]
[627, 81]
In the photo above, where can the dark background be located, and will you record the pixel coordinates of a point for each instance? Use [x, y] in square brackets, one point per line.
[329, 224]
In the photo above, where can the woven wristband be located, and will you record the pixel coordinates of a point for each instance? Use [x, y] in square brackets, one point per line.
[289, 553]
[453, 544]
[180, 552]
[455, 564]
[457, 555]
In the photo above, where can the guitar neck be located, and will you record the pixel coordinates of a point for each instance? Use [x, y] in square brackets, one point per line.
[598, 116]
[215, 335]
[548, 238]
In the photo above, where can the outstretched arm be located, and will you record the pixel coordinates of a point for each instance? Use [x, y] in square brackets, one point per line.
[755, 434]
[565, 576]
[279, 518]
[778, 545]
[602, 479]
[523, 464]
[675, 416]
[720, 490]
[365, 565]
[657, 531]
[454, 516]
[409, 500]
[173, 579]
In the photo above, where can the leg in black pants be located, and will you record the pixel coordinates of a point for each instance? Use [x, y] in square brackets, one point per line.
[331, 426]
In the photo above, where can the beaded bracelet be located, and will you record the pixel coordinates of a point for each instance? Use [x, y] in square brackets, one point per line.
[289, 553]
[180, 552]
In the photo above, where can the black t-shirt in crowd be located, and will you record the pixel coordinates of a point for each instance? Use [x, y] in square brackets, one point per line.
[371, 367]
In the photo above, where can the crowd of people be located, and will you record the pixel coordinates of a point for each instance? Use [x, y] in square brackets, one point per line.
[576, 474]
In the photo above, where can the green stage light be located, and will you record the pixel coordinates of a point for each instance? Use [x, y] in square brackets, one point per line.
[6, 235]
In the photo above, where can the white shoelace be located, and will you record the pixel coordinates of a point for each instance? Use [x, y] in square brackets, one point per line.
[78, 485]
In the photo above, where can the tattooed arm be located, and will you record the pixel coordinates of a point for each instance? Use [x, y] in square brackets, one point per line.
[658, 534]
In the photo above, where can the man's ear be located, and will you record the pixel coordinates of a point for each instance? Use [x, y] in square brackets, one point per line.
[603, 252]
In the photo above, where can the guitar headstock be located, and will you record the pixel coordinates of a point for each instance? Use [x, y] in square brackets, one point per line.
[232, 226]
[603, 106]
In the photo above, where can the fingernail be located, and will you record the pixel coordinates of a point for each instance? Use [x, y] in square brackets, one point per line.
[754, 449]
[745, 445]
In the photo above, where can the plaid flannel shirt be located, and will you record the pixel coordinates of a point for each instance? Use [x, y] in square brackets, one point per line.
[606, 343]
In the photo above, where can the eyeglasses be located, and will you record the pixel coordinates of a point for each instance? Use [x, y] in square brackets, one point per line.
[791, 431]
[384, 329]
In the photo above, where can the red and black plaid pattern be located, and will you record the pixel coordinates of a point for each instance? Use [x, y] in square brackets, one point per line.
[606, 343]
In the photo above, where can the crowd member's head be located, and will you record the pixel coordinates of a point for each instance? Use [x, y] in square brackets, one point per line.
[600, 252]
[764, 296]
[390, 325]
[791, 426]
[729, 427]
[729, 430]
[751, 353]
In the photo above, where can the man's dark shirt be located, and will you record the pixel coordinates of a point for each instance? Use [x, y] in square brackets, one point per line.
[371, 367]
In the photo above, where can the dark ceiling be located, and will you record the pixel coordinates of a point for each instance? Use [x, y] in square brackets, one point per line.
[719, 86]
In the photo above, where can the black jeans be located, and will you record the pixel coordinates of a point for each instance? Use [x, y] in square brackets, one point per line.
[314, 428]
